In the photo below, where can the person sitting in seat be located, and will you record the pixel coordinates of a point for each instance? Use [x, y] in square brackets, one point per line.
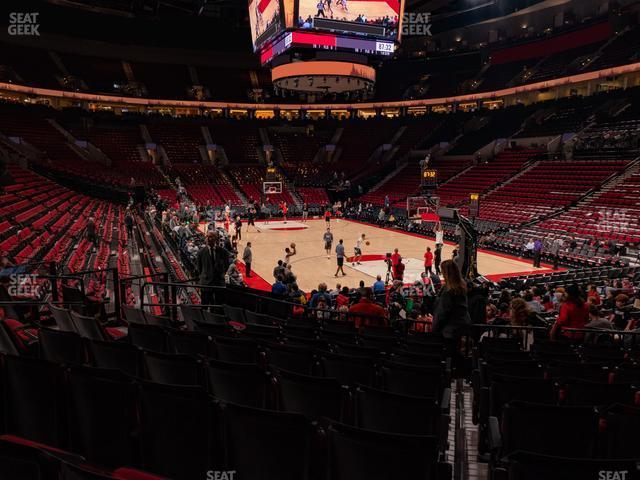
[375, 314]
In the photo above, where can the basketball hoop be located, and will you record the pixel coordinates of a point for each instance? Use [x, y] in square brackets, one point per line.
[271, 188]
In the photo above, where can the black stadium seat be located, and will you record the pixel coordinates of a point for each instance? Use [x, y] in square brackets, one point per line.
[33, 400]
[117, 356]
[184, 444]
[523, 465]
[412, 380]
[102, 413]
[547, 429]
[357, 454]
[267, 444]
[188, 342]
[244, 384]
[292, 358]
[314, 397]
[394, 413]
[173, 369]
[148, 337]
[348, 369]
[58, 346]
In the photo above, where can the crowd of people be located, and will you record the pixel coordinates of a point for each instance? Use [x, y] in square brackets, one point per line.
[440, 301]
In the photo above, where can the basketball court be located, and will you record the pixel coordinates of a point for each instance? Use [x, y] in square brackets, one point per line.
[311, 265]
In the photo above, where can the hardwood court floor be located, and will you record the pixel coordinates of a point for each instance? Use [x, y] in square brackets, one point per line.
[311, 265]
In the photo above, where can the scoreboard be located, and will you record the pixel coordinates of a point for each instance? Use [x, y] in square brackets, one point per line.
[370, 27]
[429, 179]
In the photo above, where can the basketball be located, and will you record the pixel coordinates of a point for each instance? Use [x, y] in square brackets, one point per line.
[293, 245]
[367, 243]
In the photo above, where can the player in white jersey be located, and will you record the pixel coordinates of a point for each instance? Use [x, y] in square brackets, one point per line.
[357, 250]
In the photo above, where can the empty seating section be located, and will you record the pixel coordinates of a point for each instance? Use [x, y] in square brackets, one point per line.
[500, 76]
[17, 121]
[33, 66]
[252, 401]
[621, 50]
[564, 120]
[123, 145]
[614, 136]
[554, 409]
[250, 179]
[546, 187]
[488, 127]
[559, 64]
[205, 184]
[480, 178]
[240, 140]
[402, 184]
[46, 222]
[313, 195]
[162, 80]
[99, 74]
[297, 147]
[358, 142]
[181, 142]
[610, 214]
[228, 83]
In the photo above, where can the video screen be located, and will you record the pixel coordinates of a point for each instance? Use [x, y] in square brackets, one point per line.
[266, 19]
[376, 18]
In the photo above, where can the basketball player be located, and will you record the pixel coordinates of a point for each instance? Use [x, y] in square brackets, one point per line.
[439, 235]
[284, 211]
[305, 212]
[327, 217]
[340, 257]
[289, 252]
[357, 250]
[238, 225]
[328, 241]
[251, 215]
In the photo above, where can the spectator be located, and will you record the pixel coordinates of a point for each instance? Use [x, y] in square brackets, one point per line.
[361, 288]
[395, 256]
[537, 253]
[593, 296]
[278, 270]
[574, 313]
[491, 313]
[212, 263]
[279, 288]
[477, 301]
[378, 286]
[437, 258]
[622, 312]
[534, 304]
[451, 315]
[247, 258]
[375, 314]
[321, 294]
[296, 295]
[398, 273]
[343, 300]
[91, 230]
[428, 261]
[128, 222]
[234, 277]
